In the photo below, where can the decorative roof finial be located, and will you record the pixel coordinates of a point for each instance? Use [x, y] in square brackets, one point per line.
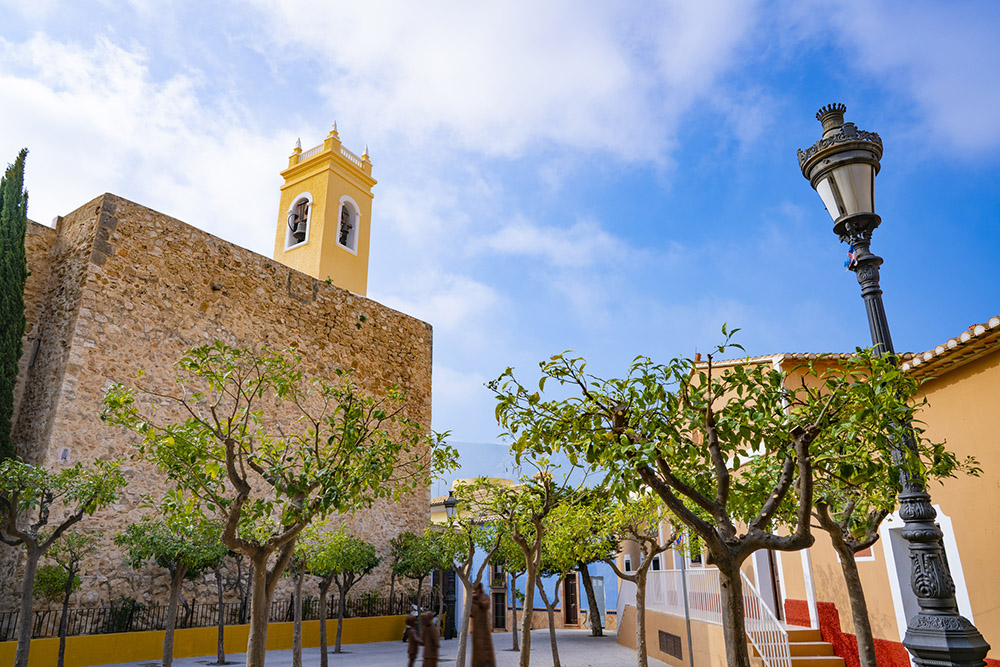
[298, 143]
[334, 126]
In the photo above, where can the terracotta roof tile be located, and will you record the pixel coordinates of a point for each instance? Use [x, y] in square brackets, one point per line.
[974, 342]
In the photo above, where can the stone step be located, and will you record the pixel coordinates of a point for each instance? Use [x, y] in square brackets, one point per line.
[800, 634]
[804, 649]
[810, 648]
[817, 661]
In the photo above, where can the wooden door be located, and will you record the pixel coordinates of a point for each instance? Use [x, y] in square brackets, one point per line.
[570, 602]
[499, 610]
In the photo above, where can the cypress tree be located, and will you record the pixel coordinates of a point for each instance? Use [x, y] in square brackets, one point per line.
[13, 272]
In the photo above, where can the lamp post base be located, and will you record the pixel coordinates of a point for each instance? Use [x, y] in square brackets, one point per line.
[945, 640]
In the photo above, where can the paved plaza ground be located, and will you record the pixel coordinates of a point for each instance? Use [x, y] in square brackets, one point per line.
[576, 649]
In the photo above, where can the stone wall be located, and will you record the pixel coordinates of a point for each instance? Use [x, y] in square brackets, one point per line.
[131, 289]
[59, 258]
[37, 241]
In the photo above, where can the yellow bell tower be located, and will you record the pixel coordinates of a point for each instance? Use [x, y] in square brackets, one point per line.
[324, 219]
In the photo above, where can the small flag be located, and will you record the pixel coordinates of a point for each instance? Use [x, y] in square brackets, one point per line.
[852, 258]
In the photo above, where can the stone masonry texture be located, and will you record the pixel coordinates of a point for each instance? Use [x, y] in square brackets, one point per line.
[117, 288]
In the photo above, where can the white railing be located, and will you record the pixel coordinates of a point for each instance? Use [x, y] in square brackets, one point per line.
[664, 593]
[310, 152]
[350, 156]
[764, 630]
[626, 596]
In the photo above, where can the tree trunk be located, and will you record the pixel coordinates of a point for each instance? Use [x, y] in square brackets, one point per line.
[176, 581]
[529, 600]
[441, 599]
[463, 634]
[733, 623]
[340, 619]
[324, 614]
[513, 597]
[221, 635]
[297, 625]
[241, 583]
[64, 616]
[859, 606]
[259, 613]
[27, 600]
[392, 592]
[596, 622]
[642, 653]
[551, 612]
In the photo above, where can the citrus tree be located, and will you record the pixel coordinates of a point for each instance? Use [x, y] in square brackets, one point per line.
[857, 481]
[723, 448]
[183, 542]
[68, 554]
[641, 518]
[398, 548]
[339, 559]
[571, 534]
[53, 584]
[520, 510]
[268, 450]
[297, 571]
[468, 532]
[510, 556]
[29, 495]
[420, 555]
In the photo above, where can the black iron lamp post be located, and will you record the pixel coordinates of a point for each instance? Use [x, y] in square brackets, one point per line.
[450, 632]
[841, 167]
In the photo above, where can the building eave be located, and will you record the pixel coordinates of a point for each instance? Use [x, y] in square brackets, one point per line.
[974, 343]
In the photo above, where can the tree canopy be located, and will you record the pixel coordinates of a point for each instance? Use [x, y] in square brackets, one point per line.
[269, 450]
[728, 448]
[28, 496]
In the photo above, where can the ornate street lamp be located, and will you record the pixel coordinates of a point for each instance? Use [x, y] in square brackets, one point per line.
[450, 509]
[450, 505]
[841, 167]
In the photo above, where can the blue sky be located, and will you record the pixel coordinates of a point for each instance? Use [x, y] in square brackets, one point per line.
[613, 178]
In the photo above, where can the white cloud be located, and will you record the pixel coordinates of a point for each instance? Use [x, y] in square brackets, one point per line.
[95, 119]
[448, 302]
[505, 78]
[579, 246]
[459, 389]
[944, 58]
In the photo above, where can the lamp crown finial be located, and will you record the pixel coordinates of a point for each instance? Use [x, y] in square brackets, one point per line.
[832, 116]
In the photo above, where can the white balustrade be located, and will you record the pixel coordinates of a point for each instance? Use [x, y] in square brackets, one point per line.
[664, 593]
[350, 156]
[310, 152]
[764, 630]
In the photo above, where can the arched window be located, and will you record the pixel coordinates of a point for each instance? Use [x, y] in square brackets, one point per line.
[297, 231]
[349, 221]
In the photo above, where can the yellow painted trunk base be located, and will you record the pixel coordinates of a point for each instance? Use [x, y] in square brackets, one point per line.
[88, 650]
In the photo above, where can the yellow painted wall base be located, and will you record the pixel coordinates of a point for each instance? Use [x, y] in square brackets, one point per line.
[87, 650]
[707, 639]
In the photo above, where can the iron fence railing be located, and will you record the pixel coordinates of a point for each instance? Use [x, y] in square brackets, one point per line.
[131, 616]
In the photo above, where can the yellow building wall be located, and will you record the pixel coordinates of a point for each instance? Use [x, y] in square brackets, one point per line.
[964, 410]
[87, 650]
[707, 639]
[327, 176]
